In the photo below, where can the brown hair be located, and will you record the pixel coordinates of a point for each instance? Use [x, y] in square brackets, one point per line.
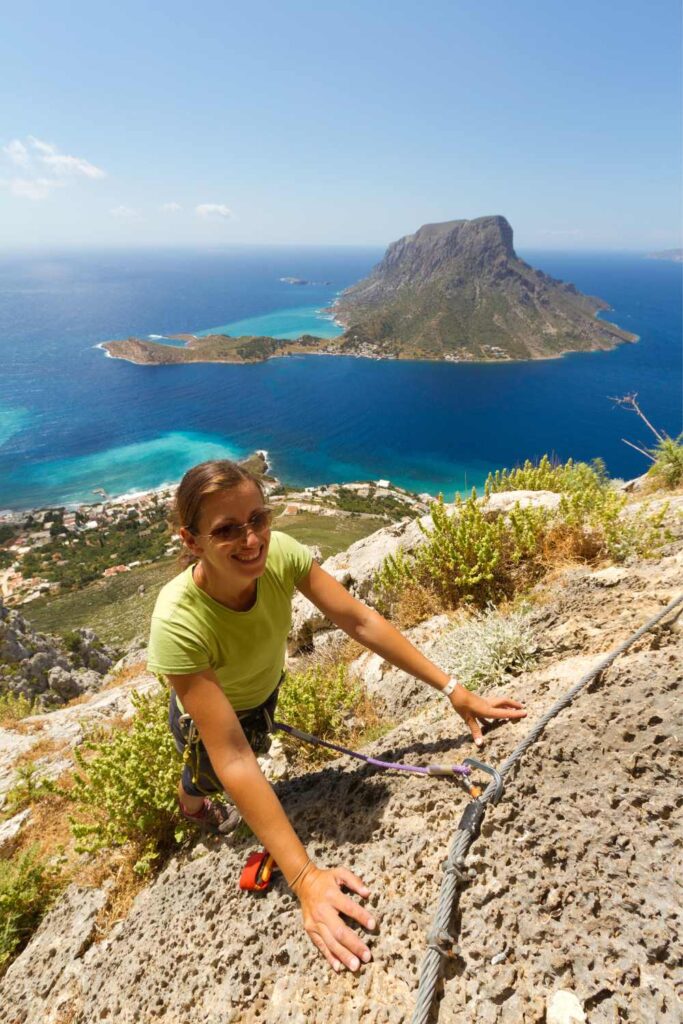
[200, 481]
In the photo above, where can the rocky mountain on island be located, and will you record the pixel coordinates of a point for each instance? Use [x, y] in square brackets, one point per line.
[459, 291]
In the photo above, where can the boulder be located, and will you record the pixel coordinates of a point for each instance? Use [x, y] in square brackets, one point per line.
[38, 666]
[505, 501]
[63, 683]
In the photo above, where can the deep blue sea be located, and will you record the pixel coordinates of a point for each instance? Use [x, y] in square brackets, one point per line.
[72, 419]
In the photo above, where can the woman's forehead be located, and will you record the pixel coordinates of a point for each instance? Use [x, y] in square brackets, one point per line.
[238, 503]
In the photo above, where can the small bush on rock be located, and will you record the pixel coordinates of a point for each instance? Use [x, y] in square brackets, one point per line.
[548, 476]
[320, 700]
[667, 468]
[470, 557]
[29, 787]
[125, 790]
[14, 707]
[467, 557]
[484, 650]
[27, 886]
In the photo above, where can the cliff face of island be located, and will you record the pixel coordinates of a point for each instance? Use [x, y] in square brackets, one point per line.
[458, 290]
[455, 291]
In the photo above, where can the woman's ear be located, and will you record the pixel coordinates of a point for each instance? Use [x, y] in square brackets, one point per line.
[189, 541]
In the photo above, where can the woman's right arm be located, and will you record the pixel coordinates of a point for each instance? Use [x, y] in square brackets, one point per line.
[234, 762]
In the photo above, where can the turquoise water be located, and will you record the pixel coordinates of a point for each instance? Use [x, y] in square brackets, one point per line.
[124, 469]
[282, 323]
[72, 420]
[12, 421]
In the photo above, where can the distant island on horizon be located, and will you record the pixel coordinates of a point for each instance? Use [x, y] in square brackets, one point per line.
[454, 292]
[674, 255]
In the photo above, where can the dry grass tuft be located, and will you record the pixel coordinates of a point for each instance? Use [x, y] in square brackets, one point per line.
[564, 545]
[125, 675]
[116, 867]
[415, 604]
[42, 749]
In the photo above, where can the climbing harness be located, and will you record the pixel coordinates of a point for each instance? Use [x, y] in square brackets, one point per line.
[441, 944]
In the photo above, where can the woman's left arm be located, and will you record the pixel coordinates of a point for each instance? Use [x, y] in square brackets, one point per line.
[369, 628]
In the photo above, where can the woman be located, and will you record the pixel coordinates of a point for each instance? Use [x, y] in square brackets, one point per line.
[218, 635]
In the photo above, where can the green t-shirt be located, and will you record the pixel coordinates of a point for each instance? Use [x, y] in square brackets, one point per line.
[246, 650]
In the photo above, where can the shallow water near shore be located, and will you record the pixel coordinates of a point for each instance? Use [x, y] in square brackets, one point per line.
[72, 420]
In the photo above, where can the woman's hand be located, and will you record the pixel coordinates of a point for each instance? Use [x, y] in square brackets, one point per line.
[474, 709]
[322, 903]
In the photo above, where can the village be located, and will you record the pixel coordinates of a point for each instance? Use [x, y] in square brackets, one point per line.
[40, 548]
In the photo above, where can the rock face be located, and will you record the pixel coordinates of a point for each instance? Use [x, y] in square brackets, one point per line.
[41, 668]
[459, 290]
[572, 910]
[65, 728]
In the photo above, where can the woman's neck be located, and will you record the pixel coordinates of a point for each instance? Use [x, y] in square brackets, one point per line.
[238, 596]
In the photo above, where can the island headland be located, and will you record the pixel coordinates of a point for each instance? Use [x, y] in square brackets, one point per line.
[455, 291]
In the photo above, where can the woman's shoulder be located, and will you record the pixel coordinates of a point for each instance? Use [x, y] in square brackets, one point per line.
[283, 546]
[172, 594]
[287, 557]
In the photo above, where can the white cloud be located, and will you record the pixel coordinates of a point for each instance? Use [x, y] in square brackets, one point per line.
[123, 212]
[171, 208]
[17, 153]
[209, 210]
[44, 167]
[32, 188]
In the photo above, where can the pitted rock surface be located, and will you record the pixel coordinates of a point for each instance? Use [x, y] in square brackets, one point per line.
[577, 871]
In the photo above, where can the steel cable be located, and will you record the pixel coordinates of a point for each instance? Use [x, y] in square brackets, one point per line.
[439, 942]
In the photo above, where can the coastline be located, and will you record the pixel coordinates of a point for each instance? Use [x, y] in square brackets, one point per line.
[491, 361]
[164, 490]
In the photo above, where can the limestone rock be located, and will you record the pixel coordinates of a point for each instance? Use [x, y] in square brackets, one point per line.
[52, 962]
[564, 1008]
[31, 662]
[10, 828]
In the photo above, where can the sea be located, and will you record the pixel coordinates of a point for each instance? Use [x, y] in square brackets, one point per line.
[75, 423]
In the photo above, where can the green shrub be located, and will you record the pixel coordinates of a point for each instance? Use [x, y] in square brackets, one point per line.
[666, 456]
[548, 476]
[126, 791]
[667, 468]
[14, 707]
[318, 700]
[470, 558]
[29, 786]
[467, 557]
[27, 886]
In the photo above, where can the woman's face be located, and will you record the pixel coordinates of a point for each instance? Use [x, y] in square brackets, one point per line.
[244, 558]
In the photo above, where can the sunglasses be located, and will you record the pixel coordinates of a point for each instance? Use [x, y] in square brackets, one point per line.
[231, 532]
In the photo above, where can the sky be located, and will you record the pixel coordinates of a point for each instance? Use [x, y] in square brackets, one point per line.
[289, 122]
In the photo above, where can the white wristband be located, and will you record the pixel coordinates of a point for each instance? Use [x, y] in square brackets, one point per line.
[449, 687]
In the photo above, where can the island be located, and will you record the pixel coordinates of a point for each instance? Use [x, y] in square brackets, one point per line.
[458, 291]
[215, 348]
[673, 255]
[454, 292]
[301, 280]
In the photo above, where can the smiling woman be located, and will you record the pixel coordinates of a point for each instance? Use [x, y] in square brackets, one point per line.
[218, 636]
